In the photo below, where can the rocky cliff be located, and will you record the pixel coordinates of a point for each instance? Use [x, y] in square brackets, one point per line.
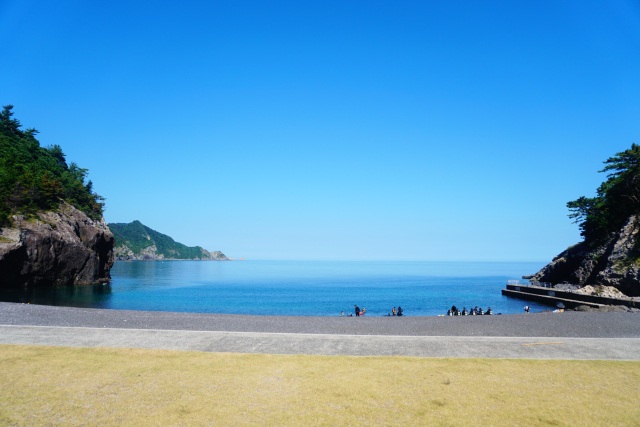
[61, 247]
[615, 262]
[136, 241]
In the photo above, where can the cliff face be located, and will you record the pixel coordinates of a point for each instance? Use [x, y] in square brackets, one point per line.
[62, 247]
[615, 263]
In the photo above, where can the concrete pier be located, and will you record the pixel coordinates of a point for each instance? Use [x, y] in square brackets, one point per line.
[551, 296]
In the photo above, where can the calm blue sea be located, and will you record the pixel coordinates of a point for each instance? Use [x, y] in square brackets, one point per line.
[300, 288]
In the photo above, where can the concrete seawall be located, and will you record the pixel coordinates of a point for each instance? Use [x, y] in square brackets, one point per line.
[551, 297]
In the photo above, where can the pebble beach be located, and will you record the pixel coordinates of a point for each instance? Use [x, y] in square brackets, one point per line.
[548, 324]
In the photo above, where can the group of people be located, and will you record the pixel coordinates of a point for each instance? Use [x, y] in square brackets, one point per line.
[362, 312]
[358, 311]
[475, 311]
[395, 312]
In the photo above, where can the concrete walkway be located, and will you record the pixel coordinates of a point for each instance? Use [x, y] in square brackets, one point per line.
[328, 344]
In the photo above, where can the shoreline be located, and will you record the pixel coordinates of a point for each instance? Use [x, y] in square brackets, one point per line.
[546, 324]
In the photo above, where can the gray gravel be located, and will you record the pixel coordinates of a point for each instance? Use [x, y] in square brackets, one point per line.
[568, 324]
[571, 335]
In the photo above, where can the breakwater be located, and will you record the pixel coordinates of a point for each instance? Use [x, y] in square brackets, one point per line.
[550, 296]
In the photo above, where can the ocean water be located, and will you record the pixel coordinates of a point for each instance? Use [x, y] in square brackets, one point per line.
[298, 288]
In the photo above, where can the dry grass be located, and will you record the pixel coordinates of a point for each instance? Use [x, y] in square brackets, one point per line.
[70, 386]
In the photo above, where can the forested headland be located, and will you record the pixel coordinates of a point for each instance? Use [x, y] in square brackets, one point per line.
[136, 241]
[51, 228]
[609, 222]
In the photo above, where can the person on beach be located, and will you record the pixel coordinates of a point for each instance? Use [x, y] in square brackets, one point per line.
[399, 311]
[357, 309]
[393, 311]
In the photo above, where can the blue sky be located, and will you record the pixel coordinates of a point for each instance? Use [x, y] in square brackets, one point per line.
[452, 130]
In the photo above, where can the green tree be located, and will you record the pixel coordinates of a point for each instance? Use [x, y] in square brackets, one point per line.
[616, 200]
[34, 178]
[7, 123]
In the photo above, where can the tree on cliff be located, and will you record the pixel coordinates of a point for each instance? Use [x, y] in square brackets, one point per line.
[34, 178]
[616, 200]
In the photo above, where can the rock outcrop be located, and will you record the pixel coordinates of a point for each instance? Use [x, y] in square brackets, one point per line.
[616, 262]
[62, 247]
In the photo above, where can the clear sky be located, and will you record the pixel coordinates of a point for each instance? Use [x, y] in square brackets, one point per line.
[449, 130]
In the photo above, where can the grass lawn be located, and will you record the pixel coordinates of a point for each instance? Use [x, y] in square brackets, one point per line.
[80, 386]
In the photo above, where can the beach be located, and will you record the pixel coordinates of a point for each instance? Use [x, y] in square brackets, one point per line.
[568, 335]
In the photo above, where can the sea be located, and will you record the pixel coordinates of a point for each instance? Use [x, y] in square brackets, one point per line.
[295, 288]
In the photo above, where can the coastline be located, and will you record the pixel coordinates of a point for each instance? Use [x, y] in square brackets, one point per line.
[562, 336]
[567, 324]
[295, 288]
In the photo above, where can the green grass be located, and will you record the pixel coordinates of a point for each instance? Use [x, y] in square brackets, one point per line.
[72, 386]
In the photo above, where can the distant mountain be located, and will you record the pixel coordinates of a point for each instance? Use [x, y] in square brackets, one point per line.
[135, 241]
